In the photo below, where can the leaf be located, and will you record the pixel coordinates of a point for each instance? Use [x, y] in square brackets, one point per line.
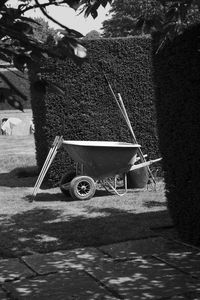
[70, 33]
[94, 13]
[4, 57]
[73, 3]
[104, 3]
[87, 12]
[23, 27]
[7, 51]
[80, 51]
[20, 61]
[70, 47]
[15, 103]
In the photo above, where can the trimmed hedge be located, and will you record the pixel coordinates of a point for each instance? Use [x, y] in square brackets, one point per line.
[89, 112]
[177, 78]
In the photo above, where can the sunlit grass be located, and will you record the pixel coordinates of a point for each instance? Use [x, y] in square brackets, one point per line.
[11, 162]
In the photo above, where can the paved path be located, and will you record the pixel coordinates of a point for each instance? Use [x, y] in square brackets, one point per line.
[147, 268]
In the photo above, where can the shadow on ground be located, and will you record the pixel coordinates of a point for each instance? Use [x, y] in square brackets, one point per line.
[47, 197]
[47, 230]
[19, 177]
[150, 204]
[136, 279]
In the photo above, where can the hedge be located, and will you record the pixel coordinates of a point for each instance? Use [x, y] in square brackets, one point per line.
[177, 78]
[88, 111]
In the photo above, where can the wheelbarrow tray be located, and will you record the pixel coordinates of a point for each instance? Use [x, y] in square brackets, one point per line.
[102, 159]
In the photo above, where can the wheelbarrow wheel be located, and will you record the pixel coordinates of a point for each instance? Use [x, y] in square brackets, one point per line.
[82, 188]
[65, 182]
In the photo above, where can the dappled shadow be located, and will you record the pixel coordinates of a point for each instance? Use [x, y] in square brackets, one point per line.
[46, 230]
[59, 196]
[143, 278]
[98, 276]
[68, 285]
[102, 193]
[123, 256]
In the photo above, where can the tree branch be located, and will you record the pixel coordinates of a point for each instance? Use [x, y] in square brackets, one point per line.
[49, 17]
[41, 5]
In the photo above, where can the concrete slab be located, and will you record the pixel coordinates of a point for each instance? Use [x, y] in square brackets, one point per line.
[133, 248]
[186, 296]
[13, 268]
[149, 246]
[188, 261]
[143, 279]
[76, 285]
[64, 260]
[3, 295]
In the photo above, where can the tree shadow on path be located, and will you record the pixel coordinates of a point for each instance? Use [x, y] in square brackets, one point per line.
[47, 230]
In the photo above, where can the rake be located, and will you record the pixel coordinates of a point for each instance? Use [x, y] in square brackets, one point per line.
[123, 111]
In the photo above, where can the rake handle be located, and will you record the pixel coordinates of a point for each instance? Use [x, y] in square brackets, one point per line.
[51, 155]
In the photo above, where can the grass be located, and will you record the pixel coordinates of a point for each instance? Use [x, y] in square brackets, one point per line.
[54, 222]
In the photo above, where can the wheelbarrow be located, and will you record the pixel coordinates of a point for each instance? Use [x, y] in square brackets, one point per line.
[97, 162]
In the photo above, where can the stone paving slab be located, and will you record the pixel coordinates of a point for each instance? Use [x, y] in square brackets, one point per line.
[188, 261]
[76, 285]
[186, 296]
[3, 295]
[149, 246]
[13, 268]
[64, 260]
[143, 279]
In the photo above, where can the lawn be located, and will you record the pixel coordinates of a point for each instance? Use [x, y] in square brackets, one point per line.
[53, 222]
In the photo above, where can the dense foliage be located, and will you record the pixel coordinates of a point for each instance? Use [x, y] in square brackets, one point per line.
[135, 17]
[43, 31]
[88, 111]
[93, 34]
[125, 15]
[177, 77]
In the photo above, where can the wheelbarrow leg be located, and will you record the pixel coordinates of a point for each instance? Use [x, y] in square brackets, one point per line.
[114, 188]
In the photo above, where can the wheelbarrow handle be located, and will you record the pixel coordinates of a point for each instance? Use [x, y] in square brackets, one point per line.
[144, 164]
[138, 157]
